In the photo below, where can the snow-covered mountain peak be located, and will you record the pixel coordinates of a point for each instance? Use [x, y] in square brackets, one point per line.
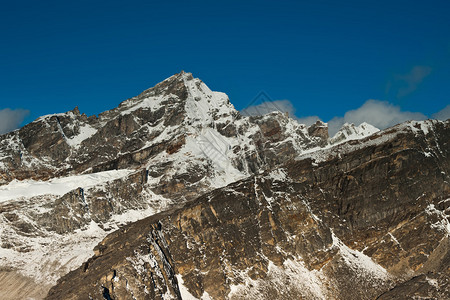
[349, 131]
[178, 117]
[204, 105]
[185, 96]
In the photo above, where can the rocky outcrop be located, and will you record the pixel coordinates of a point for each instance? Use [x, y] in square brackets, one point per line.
[361, 220]
[319, 129]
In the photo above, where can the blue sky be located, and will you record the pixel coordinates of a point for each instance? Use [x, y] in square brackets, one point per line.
[324, 57]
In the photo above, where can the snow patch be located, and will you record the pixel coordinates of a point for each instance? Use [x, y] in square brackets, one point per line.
[442, 224]
[86, 131]
[152, 103]
[292, 276]
[212, 146]
[185, 294]
[433, 282]
[360, 263]
[277, 175]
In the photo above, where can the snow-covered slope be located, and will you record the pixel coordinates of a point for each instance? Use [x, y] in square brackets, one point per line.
[32, 241]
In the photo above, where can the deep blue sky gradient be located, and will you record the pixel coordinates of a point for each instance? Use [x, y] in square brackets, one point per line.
[326, 57]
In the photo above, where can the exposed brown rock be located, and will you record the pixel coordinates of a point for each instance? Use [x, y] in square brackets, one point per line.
[319, 129]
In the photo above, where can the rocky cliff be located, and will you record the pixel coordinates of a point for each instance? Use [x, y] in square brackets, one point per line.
[362, 220]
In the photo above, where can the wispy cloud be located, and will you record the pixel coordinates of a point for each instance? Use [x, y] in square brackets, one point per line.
[278, 105]
[269, 106]
[380, 114]
[308, 120]
[404, 84]
[10, 119]
[443, 114]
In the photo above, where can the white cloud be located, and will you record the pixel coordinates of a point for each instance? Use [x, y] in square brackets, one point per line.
[380, 114]
[405, 84]
[308, 120]
[269, 106]
[278, 105]
[443, 114]
[10, 119]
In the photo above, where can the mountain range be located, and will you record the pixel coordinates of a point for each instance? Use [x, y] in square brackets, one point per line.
[175, 195]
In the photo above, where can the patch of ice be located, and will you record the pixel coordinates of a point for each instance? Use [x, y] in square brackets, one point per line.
[393, 238]
[418, 127]
[133, 215]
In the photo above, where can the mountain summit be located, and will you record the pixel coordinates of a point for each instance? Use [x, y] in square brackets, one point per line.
[180, 113]
[202, 174]
[67, 179]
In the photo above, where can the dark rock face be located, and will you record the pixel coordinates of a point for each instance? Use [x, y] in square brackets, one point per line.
[429, 286]
[362, 220]
[319, 129]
